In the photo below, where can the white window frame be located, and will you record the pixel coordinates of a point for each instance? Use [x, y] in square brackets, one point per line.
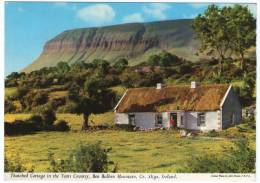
[201, 121]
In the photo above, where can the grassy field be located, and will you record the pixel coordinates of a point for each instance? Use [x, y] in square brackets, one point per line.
[156, 151]
[10, 91]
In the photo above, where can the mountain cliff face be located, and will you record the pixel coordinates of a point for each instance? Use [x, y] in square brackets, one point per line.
[135, 41]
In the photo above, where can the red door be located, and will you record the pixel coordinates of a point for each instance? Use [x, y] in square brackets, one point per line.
[173, 120]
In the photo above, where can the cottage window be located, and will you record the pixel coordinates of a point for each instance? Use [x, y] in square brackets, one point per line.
[201, 119]
[159, 120]
[131, 118]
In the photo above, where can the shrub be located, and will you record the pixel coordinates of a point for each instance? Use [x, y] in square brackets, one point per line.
[9, 106]
[19, 127]
[85, 158]
[37, 120]
[212, 133]
[48, 116]
[238, 159]
[121, 64]
[40, 98]
[184, 69]
[61, 125]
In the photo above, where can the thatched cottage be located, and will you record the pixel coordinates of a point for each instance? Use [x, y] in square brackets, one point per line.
[193, 107]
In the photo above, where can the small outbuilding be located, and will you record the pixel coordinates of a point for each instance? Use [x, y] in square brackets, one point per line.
[192, 107]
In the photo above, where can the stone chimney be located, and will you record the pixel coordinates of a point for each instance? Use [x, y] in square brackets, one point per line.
[159, 86]
[194, 84]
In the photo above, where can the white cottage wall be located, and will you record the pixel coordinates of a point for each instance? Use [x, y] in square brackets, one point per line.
[121, 118]
[211, 121]
[145, 119]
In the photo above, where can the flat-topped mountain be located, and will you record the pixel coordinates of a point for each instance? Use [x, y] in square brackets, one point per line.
[134, 41]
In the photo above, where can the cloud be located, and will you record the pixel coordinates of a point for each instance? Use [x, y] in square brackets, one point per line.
[156, 10]
[98, 14]
[135, 17]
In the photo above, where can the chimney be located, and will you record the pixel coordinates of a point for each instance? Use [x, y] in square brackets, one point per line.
[194, 84]
[159, 86]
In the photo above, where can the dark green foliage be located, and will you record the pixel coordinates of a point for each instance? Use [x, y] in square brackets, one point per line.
[21, 92]
[121, 64]
[61, 125]
[184, 69]
[85, 158]
[9, 106]
[13, 79]
[246, 92]
[225, 30]
[69, 107]
[20, 127]
[153, 60]
[102, 66]
[40, 98]
[164, 59]
[238, 159]
[63, 67]
[212, 133]
[48, 116]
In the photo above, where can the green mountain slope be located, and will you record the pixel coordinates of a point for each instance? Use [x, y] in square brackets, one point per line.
[134, 41]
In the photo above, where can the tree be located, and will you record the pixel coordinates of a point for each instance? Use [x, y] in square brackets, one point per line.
[211, 29]
[102, 65]
[242, 29]
[165, 59]
[121, 64]
[63, 67]
[88, 100]
[153, 60]
[225, 30]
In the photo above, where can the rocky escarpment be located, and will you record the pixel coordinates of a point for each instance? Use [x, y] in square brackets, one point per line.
[135, 41]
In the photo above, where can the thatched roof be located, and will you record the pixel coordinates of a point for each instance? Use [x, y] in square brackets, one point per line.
[202, 98]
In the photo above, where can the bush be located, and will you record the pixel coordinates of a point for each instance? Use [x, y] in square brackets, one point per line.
[9, 106]
[61, 125]
[239, 159]
[184, 69]
[85, 158]
[20, 127]
[212, 133]
[48, 116]
[40, 98]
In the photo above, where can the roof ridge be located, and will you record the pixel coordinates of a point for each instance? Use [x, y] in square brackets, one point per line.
[180, 85]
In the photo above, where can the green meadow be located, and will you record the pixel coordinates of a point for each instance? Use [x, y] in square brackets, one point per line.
[154, 151]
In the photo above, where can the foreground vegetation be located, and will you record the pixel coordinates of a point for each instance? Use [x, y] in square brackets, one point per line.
[155, 151]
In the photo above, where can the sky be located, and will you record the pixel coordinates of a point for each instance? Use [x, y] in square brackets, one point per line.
[29, 25]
